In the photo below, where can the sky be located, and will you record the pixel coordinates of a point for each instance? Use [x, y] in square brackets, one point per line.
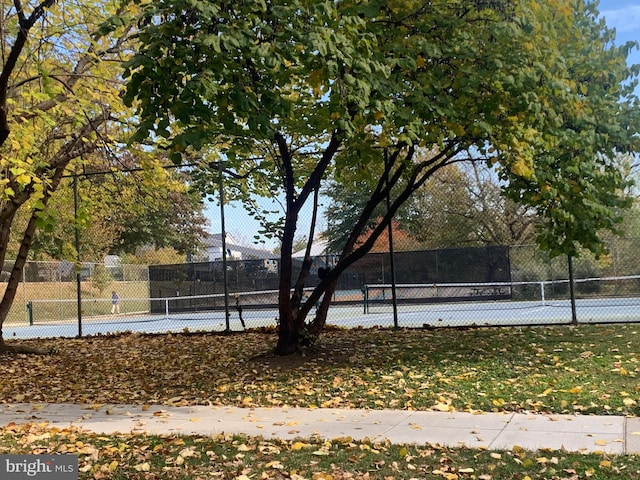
[623, 15]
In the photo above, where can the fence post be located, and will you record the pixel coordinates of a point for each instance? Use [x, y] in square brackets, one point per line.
[365, 298]
[572, 292]
[30, 312]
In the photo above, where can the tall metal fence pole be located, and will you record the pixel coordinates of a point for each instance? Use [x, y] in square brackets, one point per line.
[572, 292]
[77, 244]
[225, 275]
[391, 252]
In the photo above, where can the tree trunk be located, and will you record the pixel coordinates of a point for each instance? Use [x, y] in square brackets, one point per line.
[12, 288]
[288, 340]
[293, 331]
[290, 327]
[319, 321]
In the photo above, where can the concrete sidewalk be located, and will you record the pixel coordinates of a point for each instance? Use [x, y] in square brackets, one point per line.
[495, 431]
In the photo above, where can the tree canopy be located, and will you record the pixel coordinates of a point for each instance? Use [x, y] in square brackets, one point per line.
[61, 115]
[120, 210]
[456, 207]
[58, 102]
[385, 94]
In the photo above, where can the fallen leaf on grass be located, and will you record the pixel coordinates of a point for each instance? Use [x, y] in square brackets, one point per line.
[142, 467]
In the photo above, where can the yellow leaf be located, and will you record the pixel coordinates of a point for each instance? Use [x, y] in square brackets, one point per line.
[442, 407]
[600, 442]
[112, 466]
[498, 402]
[521, 168]
[298, 446]
[575, 390]
[466, 470]
[315, 79]
[143, 467]
[343, 440]
[447, 475]
[188, 452]
[605, 464]
[322, 476]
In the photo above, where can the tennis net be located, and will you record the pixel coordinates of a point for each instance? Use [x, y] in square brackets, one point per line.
[626, 288]
[48, 311]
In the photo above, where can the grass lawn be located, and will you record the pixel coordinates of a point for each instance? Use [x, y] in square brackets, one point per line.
[585, 369]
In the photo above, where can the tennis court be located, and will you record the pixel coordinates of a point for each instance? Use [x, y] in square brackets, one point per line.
[414, 315]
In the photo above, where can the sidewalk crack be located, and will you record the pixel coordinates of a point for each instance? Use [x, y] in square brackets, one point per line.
[501, 431]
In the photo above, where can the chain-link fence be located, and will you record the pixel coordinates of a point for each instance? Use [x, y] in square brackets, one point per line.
[496, 285]
[48, 292]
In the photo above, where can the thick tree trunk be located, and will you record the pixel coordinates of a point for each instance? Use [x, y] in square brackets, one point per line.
[288, 340]
[16, 271]
[290, 326]
[21, 260]
[12, 288]
[319, 321]
[293, 331]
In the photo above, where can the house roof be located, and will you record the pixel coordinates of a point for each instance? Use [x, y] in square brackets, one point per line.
[318, 248]
[215, 241]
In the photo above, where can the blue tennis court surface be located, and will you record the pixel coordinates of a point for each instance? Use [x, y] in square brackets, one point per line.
[601, 310]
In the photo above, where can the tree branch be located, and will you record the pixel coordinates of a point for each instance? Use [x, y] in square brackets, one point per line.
[74, 148]
[25, 24]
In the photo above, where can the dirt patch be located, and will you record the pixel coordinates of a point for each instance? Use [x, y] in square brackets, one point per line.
[331, 349]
